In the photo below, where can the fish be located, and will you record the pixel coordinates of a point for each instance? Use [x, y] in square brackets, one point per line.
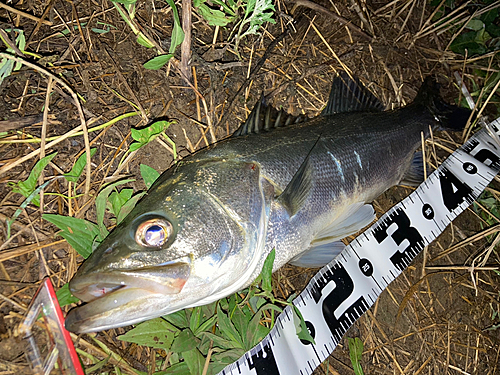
[292, 184]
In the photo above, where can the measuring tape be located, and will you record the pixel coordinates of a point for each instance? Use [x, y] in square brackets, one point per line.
[349, 285]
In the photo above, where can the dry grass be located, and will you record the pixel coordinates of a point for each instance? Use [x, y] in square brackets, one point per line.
[434, 319]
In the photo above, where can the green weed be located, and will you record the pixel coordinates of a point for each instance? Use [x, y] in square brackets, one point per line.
[355, 353]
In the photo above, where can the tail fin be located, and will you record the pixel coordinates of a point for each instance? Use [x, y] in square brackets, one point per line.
[449, 117]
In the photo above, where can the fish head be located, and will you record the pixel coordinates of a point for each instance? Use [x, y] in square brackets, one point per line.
[196, 237]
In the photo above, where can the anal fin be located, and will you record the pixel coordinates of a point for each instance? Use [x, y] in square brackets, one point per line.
[326, 245]
[318, 256]
[414, 176]
[354, 218]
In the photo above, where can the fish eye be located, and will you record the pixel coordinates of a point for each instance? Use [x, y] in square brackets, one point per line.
[153, 233]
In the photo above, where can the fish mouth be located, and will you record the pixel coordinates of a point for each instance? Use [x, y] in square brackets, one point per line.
[115, 297]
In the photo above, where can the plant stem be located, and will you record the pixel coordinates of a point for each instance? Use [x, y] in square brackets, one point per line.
[186, 43]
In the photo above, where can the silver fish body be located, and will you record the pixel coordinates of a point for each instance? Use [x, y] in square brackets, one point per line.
[294, 189]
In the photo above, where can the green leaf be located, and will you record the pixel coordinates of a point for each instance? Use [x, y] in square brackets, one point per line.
[489, 17]
[240, 321]
[157, 62]
[145, 135]
[118, 199]
[262, 11]
[143, 41]
[177, 34]
[100, 31]
[6, 67]
[135, 146]
[493, 30]
[156, 333]
[79, 233]
[300, 326]
[253, 334]
[194, 360]
[195, 319]
[218, 341]
[27, 187]
[65, 297]
[25, 204]
[475, 24]
[214, 17]
[178, 319]
[186, 341]
[206, 325]
[355, 353]
[98, 365]
[229, 6]
[227, 357]
[257, 12]
[256, 302]
[228, 330]
[177, 369]
[80, 164]
[128, 206]
[467, 41]
[149, 175]
[267, 271]
[100, 203]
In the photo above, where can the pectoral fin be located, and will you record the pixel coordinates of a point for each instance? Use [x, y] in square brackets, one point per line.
[298, 189]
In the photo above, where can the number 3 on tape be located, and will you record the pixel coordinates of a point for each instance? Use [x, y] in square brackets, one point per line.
[345, 289]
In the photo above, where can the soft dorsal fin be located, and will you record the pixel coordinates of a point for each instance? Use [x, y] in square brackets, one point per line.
[349, 95]
[265, 118]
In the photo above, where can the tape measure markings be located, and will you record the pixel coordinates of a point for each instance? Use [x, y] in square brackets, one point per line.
[348, 286]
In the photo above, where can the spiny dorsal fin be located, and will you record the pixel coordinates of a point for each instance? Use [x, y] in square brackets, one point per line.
[266, 118]
[349, 95]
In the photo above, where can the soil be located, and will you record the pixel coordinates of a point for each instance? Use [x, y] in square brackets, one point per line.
[428, 321]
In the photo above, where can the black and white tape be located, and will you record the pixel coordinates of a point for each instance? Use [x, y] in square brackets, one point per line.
[345, 289]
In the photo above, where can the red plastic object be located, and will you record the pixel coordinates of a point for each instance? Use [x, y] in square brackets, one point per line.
[61, 355]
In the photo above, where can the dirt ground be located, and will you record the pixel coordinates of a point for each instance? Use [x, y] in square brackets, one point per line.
[436, 318]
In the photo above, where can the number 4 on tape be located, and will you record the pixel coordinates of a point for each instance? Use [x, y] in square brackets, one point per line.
[345, 289]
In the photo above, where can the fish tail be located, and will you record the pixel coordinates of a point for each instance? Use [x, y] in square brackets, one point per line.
[449, 117]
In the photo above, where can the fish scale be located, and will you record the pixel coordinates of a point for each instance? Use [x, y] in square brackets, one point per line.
[296, 188]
